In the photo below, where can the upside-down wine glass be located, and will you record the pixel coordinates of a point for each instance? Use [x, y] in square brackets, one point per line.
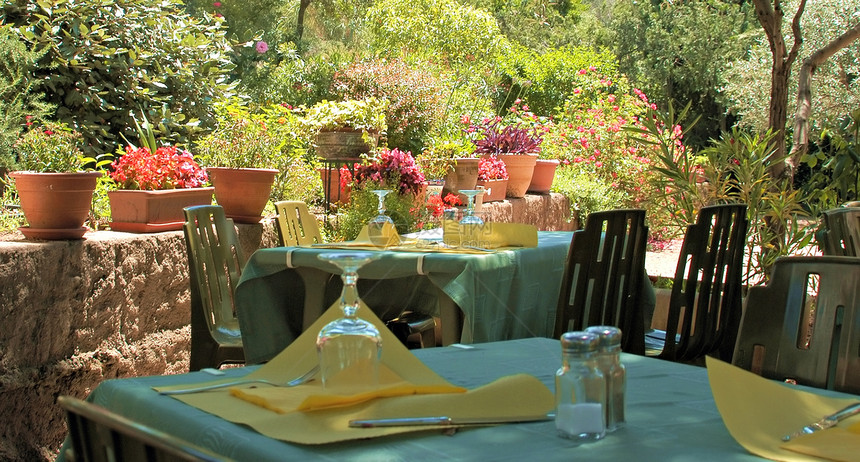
[470, 224]
[377, 224]
[349, 348]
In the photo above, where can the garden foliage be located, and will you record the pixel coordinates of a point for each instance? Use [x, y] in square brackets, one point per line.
[102, 61]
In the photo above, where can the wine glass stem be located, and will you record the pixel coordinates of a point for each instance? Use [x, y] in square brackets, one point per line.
[349, 300]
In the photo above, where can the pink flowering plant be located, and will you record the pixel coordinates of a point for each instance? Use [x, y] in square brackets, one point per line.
[492, 168]
[392, 169]
[166, 168]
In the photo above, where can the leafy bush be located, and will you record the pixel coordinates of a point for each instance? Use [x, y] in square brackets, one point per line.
[543, 81]
[104, 60]
[414, 98]
[586, 193]
[834, 164]
[52, 147]
[18, 104]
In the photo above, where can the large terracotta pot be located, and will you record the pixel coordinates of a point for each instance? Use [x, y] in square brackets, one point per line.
[55, 205]
[543, 175]
[520, 168]
[136, 211]
[343, 144]
[242, 192]
[495, 189]
[463, 175]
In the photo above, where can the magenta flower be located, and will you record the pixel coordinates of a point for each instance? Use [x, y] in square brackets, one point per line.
[262, 47]
[217, 4]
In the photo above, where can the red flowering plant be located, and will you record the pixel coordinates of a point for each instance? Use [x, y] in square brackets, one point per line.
[166, 168]
[492, 168]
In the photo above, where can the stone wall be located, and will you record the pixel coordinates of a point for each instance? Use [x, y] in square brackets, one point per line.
[74, 313]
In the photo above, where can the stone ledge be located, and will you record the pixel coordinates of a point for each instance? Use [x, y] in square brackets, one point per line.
[114, 305]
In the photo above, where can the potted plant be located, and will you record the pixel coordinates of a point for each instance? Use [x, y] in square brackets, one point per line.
[346, 129]
[493, 177]
[153, 188]
[242, 155]
[54, 188]
[394, 170]
[516, 145]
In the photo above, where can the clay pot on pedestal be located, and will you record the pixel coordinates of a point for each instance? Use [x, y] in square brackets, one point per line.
[136, 211]
[242, 192]
[543, 175]
[344, 144]
[520, 168]
[332, 190]
[55, 205]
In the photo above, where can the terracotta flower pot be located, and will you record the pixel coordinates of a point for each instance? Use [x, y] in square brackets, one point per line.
[520, 168]
[135, 211]
[332, 190]
[464, 175]
[495, 189]
[543, 175]
[242, 192]
[55, 204]
[343, 144]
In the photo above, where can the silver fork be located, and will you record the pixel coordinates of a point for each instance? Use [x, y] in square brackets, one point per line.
[304, 378]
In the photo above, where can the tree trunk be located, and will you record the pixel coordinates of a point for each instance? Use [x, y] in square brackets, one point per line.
[770, 17]
[804, 91]
[300, 20]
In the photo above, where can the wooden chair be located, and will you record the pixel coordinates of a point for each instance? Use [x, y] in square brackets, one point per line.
[98, 435]
[296, 225]
[839, 233]
[603, 277]
[705, 304]
[215, 264]
[805, 324]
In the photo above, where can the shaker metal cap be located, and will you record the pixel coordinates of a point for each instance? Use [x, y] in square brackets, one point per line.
[609, 335]
[579, 342]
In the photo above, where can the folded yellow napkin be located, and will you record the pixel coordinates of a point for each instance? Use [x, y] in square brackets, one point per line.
[490, 235]
[758, 412]
[842, 444]
[515, 395]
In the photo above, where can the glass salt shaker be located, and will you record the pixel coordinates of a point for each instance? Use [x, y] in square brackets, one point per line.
[614, 372]
[580, 389]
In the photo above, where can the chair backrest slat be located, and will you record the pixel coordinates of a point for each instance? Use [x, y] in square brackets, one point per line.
[296, 225]
[839, 233]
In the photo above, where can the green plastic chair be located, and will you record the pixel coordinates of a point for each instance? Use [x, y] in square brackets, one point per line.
[98, 435]
[705, 305]
[296, 225]
[839, 233]
[215, 264]
[602, 278]
[805, 324]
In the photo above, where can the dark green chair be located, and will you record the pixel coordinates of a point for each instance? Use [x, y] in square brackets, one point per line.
[98, 435]
[705, 304]
[215, 264]
[839, 233]
[804, 325]
[603, 277]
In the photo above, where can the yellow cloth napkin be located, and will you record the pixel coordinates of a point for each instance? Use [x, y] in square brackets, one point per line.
[516, 395]
[758, 412]
[490, 235]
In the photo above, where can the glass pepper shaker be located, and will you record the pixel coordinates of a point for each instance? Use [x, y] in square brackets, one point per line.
[614, 372]
[580, 389]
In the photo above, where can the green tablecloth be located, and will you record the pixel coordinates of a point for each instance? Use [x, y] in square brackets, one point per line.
[503, 295]
[671, 415]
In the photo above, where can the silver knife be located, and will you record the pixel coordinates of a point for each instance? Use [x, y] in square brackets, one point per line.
[826, 422]
[445, 420]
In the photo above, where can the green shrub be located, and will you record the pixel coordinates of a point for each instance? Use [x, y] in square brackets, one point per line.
[50, 148]
[587, 193]
[543, 81]
[18, 104]
[103, 61]
[414, 98]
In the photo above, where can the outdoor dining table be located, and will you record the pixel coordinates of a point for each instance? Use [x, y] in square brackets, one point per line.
[479, 296]
[671, 415]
